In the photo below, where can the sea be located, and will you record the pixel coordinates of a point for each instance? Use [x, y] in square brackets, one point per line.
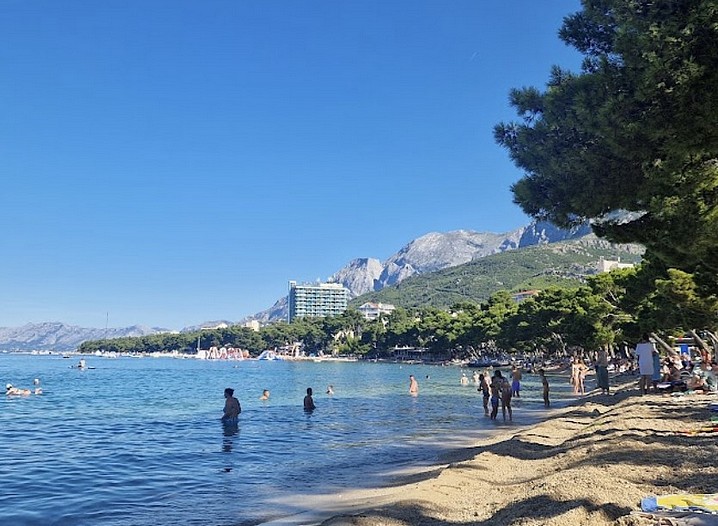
[139, 441]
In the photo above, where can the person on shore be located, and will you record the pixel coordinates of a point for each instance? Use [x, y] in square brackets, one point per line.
[309, 401]
[644, 355]
[265, 395]
[578, 376]
[515, 381]
[506, 394]
[16, 391]
[657, 375]
[575, 374]
[231, 406]
[485, 393]
[602, 370]
[413, 385]
[544, 382]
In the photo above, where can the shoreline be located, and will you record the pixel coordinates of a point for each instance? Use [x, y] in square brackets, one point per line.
[588, 463]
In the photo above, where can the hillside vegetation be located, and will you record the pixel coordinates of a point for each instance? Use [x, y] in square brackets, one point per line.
[564, 264]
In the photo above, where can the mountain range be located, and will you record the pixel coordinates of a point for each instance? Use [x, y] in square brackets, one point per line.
[425, 255]
[432, 252]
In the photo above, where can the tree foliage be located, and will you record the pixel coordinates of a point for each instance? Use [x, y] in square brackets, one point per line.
[633, 131]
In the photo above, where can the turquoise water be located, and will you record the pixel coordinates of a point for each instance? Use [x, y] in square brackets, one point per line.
[139, 441]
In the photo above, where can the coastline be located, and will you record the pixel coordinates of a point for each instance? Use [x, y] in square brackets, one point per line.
[588, 463]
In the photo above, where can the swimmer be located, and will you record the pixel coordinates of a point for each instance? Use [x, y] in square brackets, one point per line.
[15, 391]
[464, 379]
[231, 405]
[309, 401]
[81, 364]
[330, 390]
[265, 395]
[38, 389]
[413, 385]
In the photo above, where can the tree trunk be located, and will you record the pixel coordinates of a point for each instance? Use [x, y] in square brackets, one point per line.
[703, 345]
[714, 341]
[663, 345]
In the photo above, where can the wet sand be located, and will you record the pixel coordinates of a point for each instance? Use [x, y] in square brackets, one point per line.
[588, 464]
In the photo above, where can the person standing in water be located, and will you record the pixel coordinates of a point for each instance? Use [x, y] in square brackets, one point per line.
[309, 401]
[515, 381]
[265, 395]
[485, 393]
[231, 405]
[544, 382]
[413, 385]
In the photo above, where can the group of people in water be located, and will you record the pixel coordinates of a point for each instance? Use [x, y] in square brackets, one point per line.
[232, 407]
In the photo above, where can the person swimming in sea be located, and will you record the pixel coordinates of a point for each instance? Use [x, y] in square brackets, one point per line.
[16, 391]
[265, 395]
[309, 401]
[231, 406]
[330, 390]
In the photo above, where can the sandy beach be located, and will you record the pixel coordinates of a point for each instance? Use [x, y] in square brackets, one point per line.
[589, 464]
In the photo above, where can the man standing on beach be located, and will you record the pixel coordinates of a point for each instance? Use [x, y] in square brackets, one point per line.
[644, 355]
[602, 370]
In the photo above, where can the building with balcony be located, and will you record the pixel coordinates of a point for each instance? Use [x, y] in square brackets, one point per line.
[317, 301]
[372, 311]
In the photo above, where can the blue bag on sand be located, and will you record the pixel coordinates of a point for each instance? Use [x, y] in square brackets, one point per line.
[649, 504]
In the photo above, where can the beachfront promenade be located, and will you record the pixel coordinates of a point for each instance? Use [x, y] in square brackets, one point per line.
[590, 463]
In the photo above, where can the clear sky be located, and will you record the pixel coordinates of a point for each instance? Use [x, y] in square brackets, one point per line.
[169, 162]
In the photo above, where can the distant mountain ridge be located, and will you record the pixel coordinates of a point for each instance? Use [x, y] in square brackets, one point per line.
[61, 337]
[432, 252]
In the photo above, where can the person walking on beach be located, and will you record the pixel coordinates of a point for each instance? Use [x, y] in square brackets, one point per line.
[602, 370]
[485, 393]
[413, 385]
[231, 406]
[309, 401]
[515, 381]
[644, 355]
[544, 382]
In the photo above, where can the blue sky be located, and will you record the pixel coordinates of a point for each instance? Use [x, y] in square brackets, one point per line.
[171, 162]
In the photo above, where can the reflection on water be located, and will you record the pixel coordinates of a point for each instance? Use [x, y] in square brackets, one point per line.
[230, 433]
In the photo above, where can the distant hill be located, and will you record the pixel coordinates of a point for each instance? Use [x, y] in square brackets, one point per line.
[56, 336]
[430, 253]
[565, 263]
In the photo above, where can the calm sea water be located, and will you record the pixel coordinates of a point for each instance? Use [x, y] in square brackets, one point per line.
[139, 441]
